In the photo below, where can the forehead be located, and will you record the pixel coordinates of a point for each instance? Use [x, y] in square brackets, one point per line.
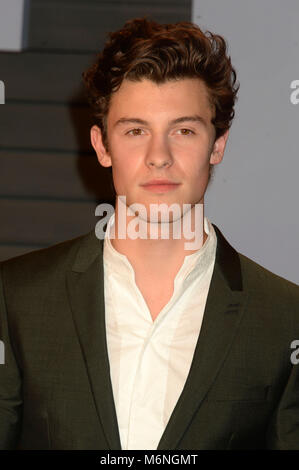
[187, 95]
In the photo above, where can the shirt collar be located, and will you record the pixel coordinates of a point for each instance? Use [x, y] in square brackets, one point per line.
[194, 265]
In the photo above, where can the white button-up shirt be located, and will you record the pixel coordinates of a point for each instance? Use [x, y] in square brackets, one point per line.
[150, 360]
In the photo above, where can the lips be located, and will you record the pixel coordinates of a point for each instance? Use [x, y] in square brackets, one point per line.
[160, 186]
[159, 183]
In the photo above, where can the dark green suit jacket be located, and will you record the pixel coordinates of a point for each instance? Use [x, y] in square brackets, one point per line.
[242, 391]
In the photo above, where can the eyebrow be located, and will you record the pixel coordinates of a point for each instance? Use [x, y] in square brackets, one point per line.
[195, 118]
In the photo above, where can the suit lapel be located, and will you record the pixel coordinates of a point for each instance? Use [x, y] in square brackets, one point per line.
[85, 287]
[222, 316]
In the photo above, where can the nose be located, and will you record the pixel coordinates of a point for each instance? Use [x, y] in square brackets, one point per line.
[158, 153]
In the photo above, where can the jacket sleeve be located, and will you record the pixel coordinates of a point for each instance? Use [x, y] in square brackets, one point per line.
[283, 432]
[10, 383]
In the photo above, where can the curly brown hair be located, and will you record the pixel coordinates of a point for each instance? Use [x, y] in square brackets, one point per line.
[161, 52]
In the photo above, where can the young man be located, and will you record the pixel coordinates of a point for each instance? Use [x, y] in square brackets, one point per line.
[141, 342]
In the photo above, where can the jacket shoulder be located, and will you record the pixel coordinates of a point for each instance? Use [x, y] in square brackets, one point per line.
[262, 281]
[45, 261]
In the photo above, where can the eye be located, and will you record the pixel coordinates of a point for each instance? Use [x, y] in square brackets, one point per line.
[135, 132]
[186, 131]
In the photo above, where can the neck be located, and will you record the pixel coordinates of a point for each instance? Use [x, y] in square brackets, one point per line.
[165, 253]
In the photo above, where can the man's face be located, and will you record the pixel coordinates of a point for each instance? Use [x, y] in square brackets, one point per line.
[160, 132]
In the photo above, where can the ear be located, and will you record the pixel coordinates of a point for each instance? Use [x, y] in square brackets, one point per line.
[96, 139]
[218, 149]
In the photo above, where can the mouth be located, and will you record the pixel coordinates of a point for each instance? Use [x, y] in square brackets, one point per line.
[160, 186]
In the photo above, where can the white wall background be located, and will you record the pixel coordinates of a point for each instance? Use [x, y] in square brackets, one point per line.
[13, 24]
[254, 196]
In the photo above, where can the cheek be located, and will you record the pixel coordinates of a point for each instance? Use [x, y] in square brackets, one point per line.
[196, 165]
[123, 173]
[123, 155]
